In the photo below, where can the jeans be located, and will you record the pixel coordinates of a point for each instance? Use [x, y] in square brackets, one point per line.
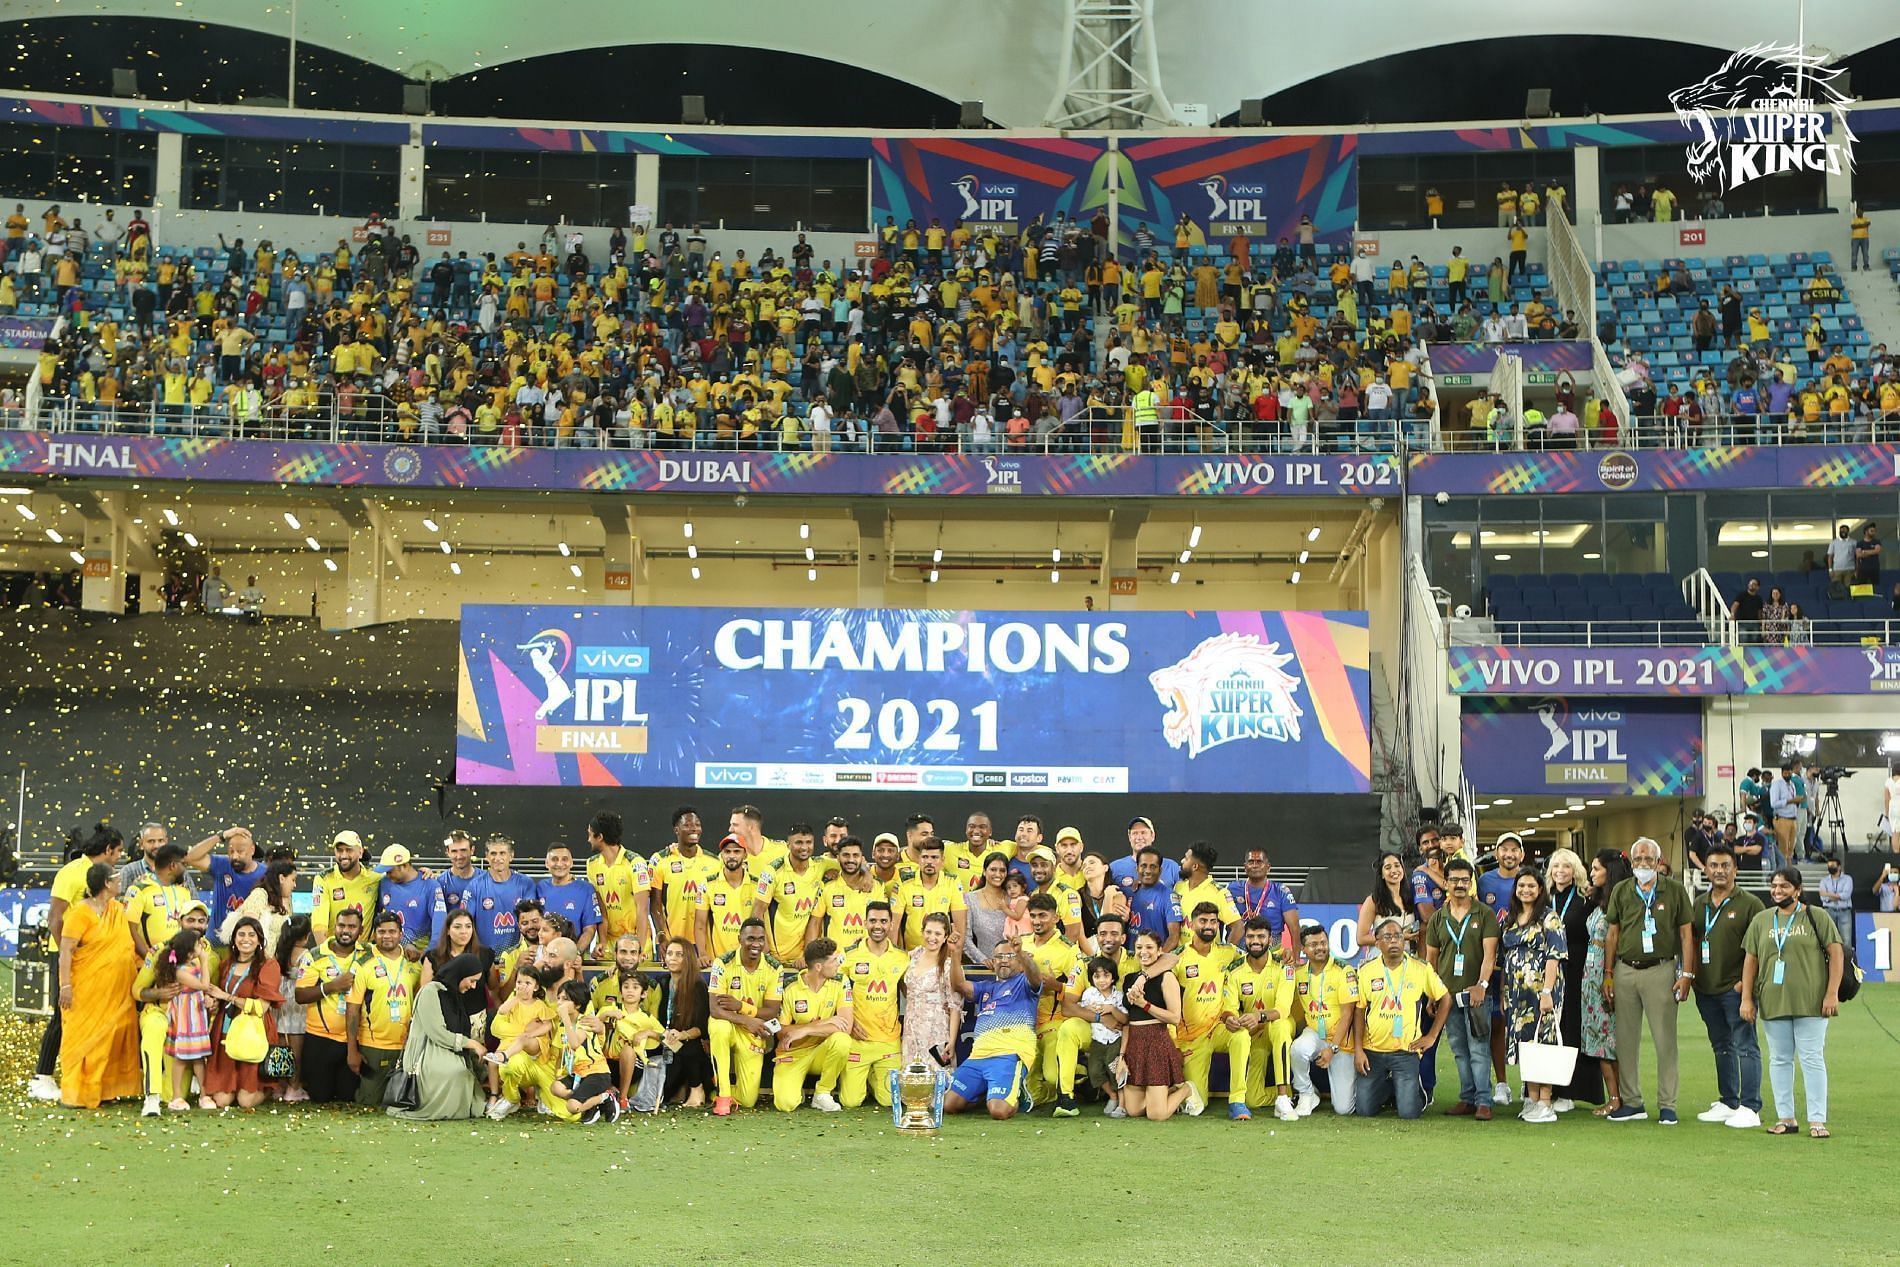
[1843, 918]
[1341, 1076]
[1804, 1037]
[1470, 1032]
[1737, 1056]
[1857, 254]
[1394, 1075]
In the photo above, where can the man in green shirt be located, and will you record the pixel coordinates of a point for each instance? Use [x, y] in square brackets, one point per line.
[1792, 977]
[1647, 952]
[1461, 946]
[1720, 919]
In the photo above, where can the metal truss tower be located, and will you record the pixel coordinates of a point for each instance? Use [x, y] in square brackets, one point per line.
[1110, 74]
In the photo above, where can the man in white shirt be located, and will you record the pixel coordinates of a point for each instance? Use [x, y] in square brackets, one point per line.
[1516, 327]
[819, 423]
[1364, 269]
[109, 232]
[1840, 556]
[1494, 329]
[982, 430]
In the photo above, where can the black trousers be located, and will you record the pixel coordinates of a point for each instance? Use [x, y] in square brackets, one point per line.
[326, 1070]
[49, 1046]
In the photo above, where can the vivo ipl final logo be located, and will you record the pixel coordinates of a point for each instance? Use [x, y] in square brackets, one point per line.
[1235, 207]
[606, 715]
[1774, 103]
[993, 204]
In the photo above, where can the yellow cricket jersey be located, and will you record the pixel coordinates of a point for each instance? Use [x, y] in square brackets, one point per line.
[679, 880]
[802, 1005]
[582, 1054]
[618, 885]
[386, 991]
[843, 909]
[333, 892]
[1060, 961]
[69, 884]
[749, 989]
[728, 906]
[327, 1016]
[793, 895]
[874, 977]
[1206, 891]
[1203, 978]
[503, 1026]
[638, 1028]
[915, 900]
[1268, 988]
[1389, 998]
[1326, 999]
[770, 857]
[155, 910]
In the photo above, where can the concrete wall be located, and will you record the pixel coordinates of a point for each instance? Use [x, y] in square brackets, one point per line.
[1732, 737]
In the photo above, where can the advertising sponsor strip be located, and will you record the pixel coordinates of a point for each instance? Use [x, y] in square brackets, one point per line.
[1606, 745]
[947, 700]
[1743, 670]
[1256, 185]
[649, 471]
[1657, 470]
[25, 332]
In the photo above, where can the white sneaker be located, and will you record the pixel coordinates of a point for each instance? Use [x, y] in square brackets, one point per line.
[153, 1107]
[1501, 1093]
[1193, 1106]
[1284, 1110]
[1307, 1102]
[1717, 1112]
[1112, 1109]
[1562, 1106]
[1540, 1113]
[1744, 1120]
[42, 1087]
[825, 1104]
[502, 1109]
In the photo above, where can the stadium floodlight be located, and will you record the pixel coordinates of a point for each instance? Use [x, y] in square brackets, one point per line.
[936, 556]
[575, 568]
[811, 574]
[1185, 555]
[191, 540]
[1305, 555]
[692, 552]
[52, 534]
[809, 555]
[804, 532]
[79, 560]
[1175, 578]
[933, 576]
[330, 565]
[296, 525]
[564, 550]
[1194, 538]
[1055, 576]
[453, 567]
[447, 548]
[171, 516]
[689, 530]
[430, 524]
[695, 574]
[1295, 578]
[26, 512]
[313, 543]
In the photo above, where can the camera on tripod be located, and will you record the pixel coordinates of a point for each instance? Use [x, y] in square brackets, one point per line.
[1831, 775]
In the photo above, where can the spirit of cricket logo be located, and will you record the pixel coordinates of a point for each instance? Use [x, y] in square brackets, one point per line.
[1766, 110]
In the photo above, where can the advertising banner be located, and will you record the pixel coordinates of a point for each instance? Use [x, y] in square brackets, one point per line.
[1615, 747]
[694, 471]
[1674, 670]
[856, 699]
[999, 185]
[25, 332]
[1657, 470]
[1227, 185]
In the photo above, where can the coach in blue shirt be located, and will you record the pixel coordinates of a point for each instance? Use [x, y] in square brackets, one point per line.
[1141, 835]
[492, 896]
[1152, 906]
[413, 897]
[573, 900]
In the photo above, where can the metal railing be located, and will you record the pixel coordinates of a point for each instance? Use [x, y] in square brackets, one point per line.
[1599, 633]
[1572, 278]
[1701, 592]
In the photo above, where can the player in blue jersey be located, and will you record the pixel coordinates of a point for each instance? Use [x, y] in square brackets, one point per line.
[997, 1072]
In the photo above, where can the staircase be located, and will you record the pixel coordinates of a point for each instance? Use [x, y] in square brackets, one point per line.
[1876, 303]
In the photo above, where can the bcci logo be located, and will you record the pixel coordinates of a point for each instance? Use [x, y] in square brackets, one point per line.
[1766, 110]
[1230, 687]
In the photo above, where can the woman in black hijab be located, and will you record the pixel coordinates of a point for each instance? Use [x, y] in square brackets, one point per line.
[441, 1052]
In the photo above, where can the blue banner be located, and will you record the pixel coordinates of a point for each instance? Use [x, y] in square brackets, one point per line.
[855, 699]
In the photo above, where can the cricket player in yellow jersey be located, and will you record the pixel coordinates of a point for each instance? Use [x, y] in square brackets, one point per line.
[726, 902]
[932, 892]
[1042, 874]
[1259, 1004]
[963, 860]
[1326, 995]
[621, 882]
[1202, 971]
[1196, 886]
[679, 872]
[744, 992]
[843, 900]
[790, 892]
[815, 1032]
[348, 886]
[1391, 989]
[1060, 1038]
[874, 970]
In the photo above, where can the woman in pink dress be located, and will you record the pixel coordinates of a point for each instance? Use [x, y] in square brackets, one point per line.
[932, 1011]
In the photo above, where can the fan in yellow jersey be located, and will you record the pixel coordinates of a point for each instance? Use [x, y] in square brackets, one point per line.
[931, 892]
[815, 1033]
[842, 902]
[520, 1027]
[679, 873]
[584, 1091]
[743, 994]
[1061, 1037]
[790, 891]
[1259, 1006]
[1391, 988]
[1202, 972]
[348, 886]
[381, 999]
[726, 902]
[633, 1034]
[874, 970]
[1196, 886]
[1326, 995]
[620, 879]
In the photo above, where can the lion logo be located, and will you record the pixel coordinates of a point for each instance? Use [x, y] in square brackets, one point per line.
[1231, 687]
[1759, 73]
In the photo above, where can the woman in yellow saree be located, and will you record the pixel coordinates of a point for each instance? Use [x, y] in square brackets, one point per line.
[99, 1051]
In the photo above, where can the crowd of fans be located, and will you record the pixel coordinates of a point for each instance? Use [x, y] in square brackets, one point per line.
[948, 339]
[469, 992]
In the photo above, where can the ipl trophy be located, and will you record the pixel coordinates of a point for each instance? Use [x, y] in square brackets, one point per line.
[917, 1098]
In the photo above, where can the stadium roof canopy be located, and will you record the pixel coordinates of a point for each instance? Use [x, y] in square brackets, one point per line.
[1001, 52]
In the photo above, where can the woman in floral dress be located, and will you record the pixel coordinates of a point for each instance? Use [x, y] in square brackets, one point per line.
[1534, 947]
[1599, 1023]
[932, 1011]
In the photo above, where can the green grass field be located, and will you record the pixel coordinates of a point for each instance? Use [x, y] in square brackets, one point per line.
[320, 1187]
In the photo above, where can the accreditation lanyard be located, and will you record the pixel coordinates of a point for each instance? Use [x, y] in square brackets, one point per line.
[1396, 995]
[1780, 934]
[1563, 912]
[1316, 1000]
[1458, 940]
[1708, 924]
[1649, 917]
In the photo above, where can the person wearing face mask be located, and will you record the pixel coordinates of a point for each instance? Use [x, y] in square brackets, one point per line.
[1648, 949]
[1721, 919]
[1791, 979]
[1837, 899]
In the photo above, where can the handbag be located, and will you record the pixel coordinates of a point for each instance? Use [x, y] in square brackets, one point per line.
[245, 1039]
[1850, 962]
[1547, 1063]
[280, 1064]
[402, 1090]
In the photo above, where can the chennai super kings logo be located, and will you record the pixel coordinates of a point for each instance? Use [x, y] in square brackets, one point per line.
[1232, 686]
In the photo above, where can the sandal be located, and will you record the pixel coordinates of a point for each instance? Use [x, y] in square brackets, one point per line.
[1784, 1128]
[1818, 1131]
[1604, 1110]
